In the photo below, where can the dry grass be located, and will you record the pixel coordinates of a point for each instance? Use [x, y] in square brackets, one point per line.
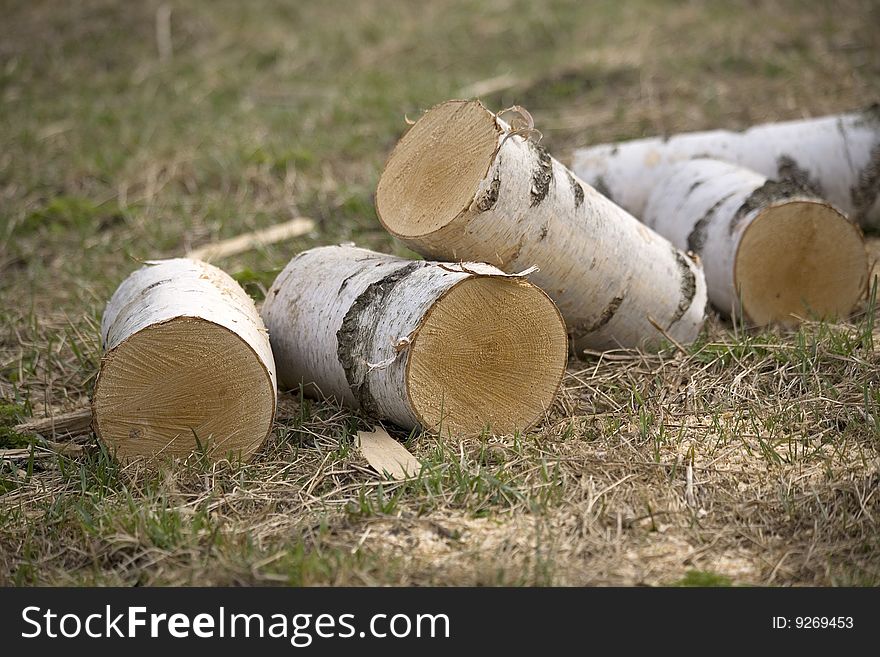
[752, 458]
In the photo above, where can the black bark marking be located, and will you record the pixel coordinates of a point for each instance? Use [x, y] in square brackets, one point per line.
[544, 230]
[156, 284]
[694, 186]
[870, 115]
[576, 188]
[354, 340]
[581, 330]
[346, 280]
[789, 171]
[696, 240]
[697, 237]
[867, 188]
[368, 262]
[490, 196]
[601, 186]
[542, 174]
[688, 287]
[770, 191]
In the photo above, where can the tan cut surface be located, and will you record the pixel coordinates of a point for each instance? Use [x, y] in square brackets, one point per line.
[800, 258]
[433, 173]
[182, 379]
[491, 351]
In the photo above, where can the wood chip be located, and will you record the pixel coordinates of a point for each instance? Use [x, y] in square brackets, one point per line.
[387, 456]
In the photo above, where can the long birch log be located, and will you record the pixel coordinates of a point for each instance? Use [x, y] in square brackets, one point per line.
[835, 157]
[187, 366]
[771, 248]
[461, 184]
[454, 348]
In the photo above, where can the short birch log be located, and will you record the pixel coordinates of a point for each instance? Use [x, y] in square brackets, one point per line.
[449, 347]
[187, 366]
[770, 248]
[462, 185]
[835, 157]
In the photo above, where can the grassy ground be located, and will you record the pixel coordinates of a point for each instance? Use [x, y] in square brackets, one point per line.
[751, 459]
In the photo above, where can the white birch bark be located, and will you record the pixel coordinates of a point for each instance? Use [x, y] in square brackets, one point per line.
[707, 206]
[835, 157]
[150, 400]
[345, 322]
[515, 206]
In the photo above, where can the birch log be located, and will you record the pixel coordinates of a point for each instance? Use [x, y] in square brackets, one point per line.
[462, 185]
[771, 248]
[835, 157]
[449, 347]
[187, 366]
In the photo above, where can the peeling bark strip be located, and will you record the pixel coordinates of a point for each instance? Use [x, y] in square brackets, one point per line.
[354, 344]
[187, 366]
[417, 343]
[830, 155]
[688, 287]
[576, 188]
[587, 249]
[788, 170]
[542, 174]
[490, 198]
[770, 248]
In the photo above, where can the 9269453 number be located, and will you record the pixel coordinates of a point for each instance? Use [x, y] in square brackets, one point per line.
[823, 622]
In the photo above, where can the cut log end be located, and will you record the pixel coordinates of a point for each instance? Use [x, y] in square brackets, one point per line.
[800, 259]
[491, 351]
[433, 173]
[183, 386]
